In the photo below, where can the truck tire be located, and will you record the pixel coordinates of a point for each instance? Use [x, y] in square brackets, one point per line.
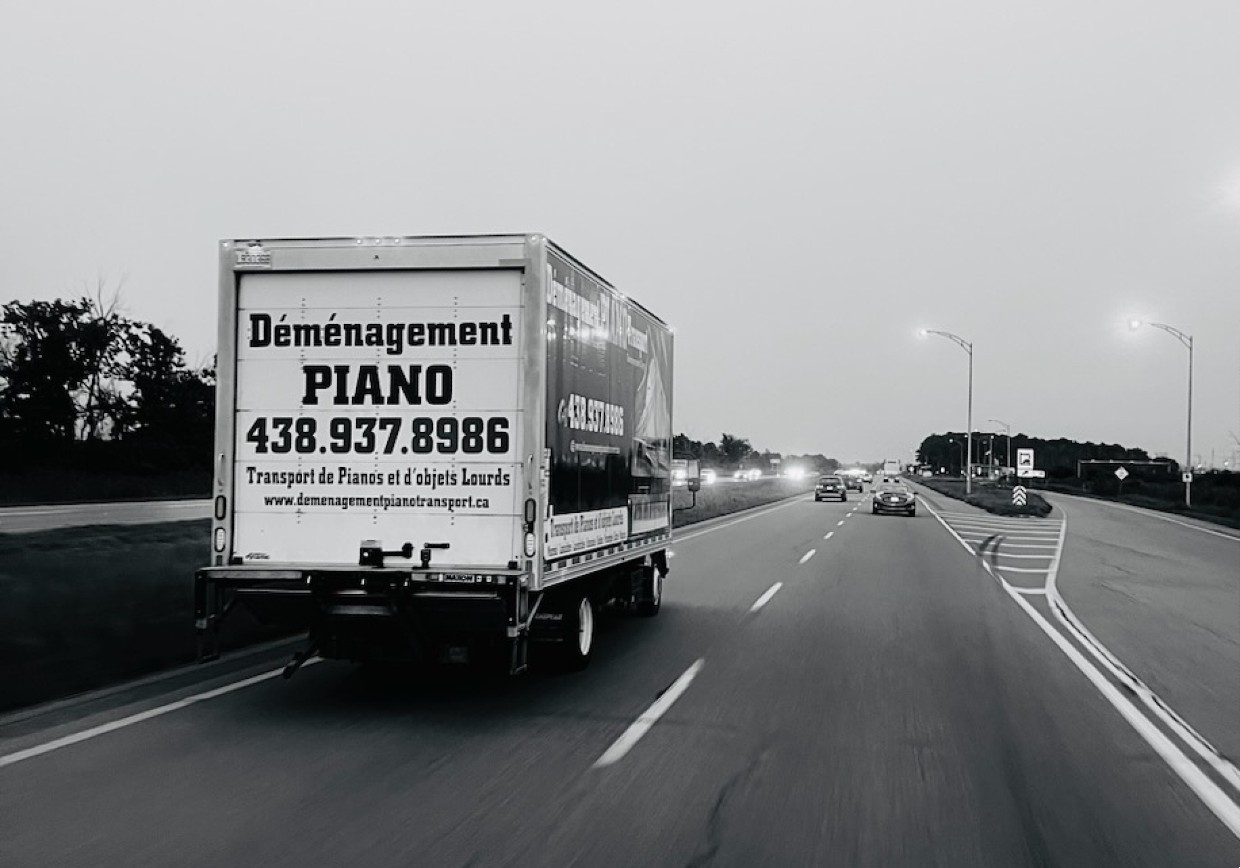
[579, 632]
[652, 595]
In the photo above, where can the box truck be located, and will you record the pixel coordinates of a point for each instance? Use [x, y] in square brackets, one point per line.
[435, 449]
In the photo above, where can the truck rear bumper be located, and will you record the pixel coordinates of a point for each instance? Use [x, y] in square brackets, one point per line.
[367, 613]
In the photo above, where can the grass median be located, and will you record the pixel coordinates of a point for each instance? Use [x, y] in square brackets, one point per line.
[83, 608]
[726, 497]
[992, 497]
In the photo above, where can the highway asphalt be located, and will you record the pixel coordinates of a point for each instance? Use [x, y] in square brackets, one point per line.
[823, 687]
[23, 519]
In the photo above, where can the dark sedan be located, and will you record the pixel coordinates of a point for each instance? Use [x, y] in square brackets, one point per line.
[830, 486]
[894, 497]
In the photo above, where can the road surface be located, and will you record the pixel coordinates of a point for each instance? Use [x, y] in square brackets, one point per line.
[822, 687]
[23, 519]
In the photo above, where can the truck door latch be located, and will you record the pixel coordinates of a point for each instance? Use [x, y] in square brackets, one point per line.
[427, 548]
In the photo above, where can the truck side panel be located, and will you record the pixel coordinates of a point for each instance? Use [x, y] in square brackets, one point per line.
[609, 418]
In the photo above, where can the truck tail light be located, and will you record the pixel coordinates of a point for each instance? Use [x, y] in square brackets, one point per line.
[531, 545]
[220, 539]
[221, 507]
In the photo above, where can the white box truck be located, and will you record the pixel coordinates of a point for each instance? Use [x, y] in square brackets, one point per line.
[435, 449]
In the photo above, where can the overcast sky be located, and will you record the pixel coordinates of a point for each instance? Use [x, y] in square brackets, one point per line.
[796, 187]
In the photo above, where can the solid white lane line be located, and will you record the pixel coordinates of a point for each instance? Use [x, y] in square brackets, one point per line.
[809, 554]
[648, 718]
[996, 519]
[978, 535]
[829, 535]
[1209, 792]
[1030, 592]
[766, 596]
[1049, 533]
[1211, 795]
[1010, 531]
[757, 512]
[1152, 701]
[1007, 522]
[105, 728]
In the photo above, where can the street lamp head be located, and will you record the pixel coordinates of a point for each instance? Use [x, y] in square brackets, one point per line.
[923, 333]
[1135, 324]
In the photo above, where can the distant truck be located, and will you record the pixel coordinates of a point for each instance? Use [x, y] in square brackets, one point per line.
[891, 467]
[435, 449]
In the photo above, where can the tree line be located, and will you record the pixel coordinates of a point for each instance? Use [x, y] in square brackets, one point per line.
[1060, 458]
[733, 452]
[83, 386]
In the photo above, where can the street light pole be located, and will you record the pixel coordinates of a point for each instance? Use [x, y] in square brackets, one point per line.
[968, 348]
[961, 445]
[1187, 341]
[1007, 437]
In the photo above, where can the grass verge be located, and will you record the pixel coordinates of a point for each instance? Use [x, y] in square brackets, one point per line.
[989, 496]
[82, 608]
[725, 497]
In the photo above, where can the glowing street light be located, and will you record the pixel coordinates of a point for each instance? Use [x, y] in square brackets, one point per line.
[968, 348]
[1187, 341]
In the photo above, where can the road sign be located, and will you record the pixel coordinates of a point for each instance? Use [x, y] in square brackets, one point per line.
[1121, 473]
[1019, 496]
[1187, 476]
[1024, 463]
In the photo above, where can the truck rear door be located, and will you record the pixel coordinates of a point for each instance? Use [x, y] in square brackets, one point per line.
[377, 405]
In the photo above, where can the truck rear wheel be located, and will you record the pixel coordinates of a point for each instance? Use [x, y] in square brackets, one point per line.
[652, 594]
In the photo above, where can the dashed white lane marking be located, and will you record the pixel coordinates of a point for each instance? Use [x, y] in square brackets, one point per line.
[809, 554]
[766, 596]
[648, 718]
[829, 535]
[105, 728]
[840, 523]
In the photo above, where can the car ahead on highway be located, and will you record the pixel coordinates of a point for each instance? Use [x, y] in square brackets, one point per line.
[869, 477]
[853, 482]
[894, 497]
[830, 486]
